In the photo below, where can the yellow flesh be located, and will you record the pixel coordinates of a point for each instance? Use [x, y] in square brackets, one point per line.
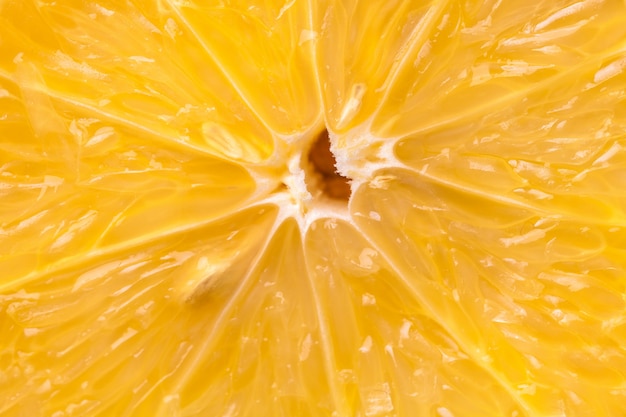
[167, 249]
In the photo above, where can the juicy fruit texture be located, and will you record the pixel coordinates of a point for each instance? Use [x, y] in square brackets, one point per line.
[169, 245]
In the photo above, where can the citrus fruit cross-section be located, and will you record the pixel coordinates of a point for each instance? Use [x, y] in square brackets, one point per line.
[312, 208]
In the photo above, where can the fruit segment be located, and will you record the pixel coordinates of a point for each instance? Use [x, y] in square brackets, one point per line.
[154, 75]
[529, 298]
[482, 57]
[387, 355]
[360, 48]
[88, 337]
[103, 183]
[264, 50]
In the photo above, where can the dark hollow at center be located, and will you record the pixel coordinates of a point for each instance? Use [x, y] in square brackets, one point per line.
[332, 184]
